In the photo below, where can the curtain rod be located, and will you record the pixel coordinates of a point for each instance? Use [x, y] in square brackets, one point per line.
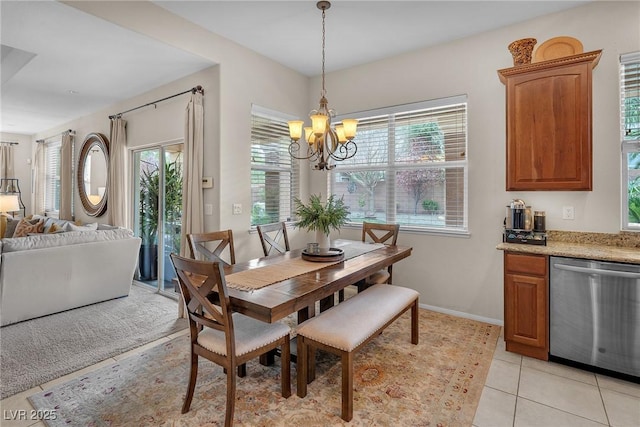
[42, 141]
[9, 142]
[192, 90]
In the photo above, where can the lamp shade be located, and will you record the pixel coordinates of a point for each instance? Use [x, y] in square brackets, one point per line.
[350, 126]
[340, 132]
[295, 129]
[9, 203]
[319, 123]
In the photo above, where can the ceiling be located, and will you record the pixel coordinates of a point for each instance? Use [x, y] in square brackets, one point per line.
[60, 63]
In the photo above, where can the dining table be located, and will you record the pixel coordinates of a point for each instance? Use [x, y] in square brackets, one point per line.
[262, 289]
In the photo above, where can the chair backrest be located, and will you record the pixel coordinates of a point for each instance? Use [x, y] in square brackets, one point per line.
[199, 245]
[199, 279]
[274, 236]
[380, 233]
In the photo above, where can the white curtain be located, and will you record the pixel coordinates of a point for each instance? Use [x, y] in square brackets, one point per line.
[38, 179]
[6, 161]
[117, 198]
[66, 179]
[192, 208]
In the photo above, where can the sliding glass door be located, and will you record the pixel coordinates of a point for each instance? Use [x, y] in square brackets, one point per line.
[157, 173]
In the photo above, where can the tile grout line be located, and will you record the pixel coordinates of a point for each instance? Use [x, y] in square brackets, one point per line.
[604, 406]
[515, 407]
[566, 412]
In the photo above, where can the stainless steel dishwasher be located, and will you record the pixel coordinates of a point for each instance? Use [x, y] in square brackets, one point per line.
[594, 316]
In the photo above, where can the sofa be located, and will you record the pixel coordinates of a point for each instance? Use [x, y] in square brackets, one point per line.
[45, 273]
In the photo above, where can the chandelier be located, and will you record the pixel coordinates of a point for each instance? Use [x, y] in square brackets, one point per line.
[323, 142]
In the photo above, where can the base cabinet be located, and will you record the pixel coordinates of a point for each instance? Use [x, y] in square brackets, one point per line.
[526, 308]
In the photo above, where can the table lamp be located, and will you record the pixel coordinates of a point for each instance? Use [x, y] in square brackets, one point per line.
[9, 203]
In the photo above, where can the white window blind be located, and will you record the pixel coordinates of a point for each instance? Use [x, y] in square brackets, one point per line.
[410, 168]
[630, 136]
[52, 178]
[274, 174]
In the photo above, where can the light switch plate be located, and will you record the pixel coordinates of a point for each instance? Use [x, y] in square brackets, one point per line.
[208, 209]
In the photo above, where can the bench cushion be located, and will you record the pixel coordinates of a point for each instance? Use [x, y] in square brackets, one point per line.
[350, 323]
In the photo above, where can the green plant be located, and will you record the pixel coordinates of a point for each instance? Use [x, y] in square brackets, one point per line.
[430, 205]
[318, 216]
[149, 199]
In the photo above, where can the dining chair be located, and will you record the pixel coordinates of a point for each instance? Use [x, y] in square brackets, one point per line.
[377, 233]
[225, 338]
[199, 244]
[274, 237]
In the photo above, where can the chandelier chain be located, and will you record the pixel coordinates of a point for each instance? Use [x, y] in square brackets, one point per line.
[324, 92]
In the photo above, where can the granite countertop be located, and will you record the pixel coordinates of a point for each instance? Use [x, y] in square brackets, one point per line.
[620, 247]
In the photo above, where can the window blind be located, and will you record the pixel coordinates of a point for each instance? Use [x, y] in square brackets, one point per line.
[52, 178]
[411, 167]
[274, 174]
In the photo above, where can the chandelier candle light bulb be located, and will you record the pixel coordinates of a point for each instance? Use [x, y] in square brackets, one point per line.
[324, 143]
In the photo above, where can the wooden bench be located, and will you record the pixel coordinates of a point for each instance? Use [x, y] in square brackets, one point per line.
[347, 327]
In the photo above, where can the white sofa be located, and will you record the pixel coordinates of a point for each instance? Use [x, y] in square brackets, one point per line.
[47, 273]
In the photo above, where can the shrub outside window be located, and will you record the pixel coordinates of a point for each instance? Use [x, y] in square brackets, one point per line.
[410, 168]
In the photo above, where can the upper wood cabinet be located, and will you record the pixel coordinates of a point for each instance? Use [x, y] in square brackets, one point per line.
[549, 123]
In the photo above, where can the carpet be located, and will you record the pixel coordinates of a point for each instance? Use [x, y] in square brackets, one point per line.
[43, 349]
[436, 383]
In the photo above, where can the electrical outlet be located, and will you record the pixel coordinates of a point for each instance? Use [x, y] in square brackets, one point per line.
[237, 208]
[208, 209]
[568, 212]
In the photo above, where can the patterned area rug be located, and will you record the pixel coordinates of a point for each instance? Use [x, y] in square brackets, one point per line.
[436, 383]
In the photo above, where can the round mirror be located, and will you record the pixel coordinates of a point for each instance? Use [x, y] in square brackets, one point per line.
[93, 174]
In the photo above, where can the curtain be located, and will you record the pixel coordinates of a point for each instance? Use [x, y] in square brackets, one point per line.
[38, 179]
[117, 200]
[66, 179]
[6, 161]
[192, 207]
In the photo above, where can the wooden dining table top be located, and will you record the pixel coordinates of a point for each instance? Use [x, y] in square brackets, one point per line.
[300, 293]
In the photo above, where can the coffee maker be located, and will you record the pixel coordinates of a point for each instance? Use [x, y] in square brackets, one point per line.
[520, 226]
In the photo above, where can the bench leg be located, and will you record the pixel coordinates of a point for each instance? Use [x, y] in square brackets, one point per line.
[303, 366]
[347, 386]
[414, 322]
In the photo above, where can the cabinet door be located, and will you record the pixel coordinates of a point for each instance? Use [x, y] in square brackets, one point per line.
[526, 304]
[549, 124]
[549, 130]
[526, 309]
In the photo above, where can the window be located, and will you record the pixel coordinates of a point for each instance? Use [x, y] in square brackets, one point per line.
[274, 174]
[410, 168]
[52, 177]
[630, 135]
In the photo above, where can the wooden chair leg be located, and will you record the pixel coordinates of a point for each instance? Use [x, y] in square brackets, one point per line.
[285, 373]
[347, 386]
[242, 370]
[302, 364]
[231, 398]
[311, 363]
[415, 321]
[192, 382]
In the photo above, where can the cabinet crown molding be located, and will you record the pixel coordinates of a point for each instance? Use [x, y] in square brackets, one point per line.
[593, 57]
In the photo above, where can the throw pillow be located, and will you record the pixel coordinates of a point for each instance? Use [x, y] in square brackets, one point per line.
[24, 227]
[13, 223]
[87, 227]
[53, 228]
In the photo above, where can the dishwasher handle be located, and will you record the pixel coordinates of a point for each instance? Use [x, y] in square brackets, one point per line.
[600, 271]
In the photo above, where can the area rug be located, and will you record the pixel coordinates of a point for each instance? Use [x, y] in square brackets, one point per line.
[436, 383]
[43, 349]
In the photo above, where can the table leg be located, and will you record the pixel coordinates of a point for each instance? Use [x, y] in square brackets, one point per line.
[306, 313]
[326, 303]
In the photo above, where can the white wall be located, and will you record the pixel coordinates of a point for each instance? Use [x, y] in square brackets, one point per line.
[21, 167]
[465, 274]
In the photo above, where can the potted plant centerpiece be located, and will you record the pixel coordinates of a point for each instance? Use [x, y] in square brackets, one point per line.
[320, 217]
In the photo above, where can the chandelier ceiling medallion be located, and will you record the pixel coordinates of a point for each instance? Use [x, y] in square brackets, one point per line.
[323, 141]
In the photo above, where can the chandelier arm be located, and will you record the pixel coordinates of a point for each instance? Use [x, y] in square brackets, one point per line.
[344, 151]
[294, 148]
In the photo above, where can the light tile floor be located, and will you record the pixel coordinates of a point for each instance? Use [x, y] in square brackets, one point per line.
[525, 392]
[519, 391]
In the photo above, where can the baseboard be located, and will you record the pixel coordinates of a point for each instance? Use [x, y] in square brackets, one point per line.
[463, 314]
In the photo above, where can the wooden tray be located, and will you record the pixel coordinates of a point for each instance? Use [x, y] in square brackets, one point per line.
[557, 47]
[330, 255]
